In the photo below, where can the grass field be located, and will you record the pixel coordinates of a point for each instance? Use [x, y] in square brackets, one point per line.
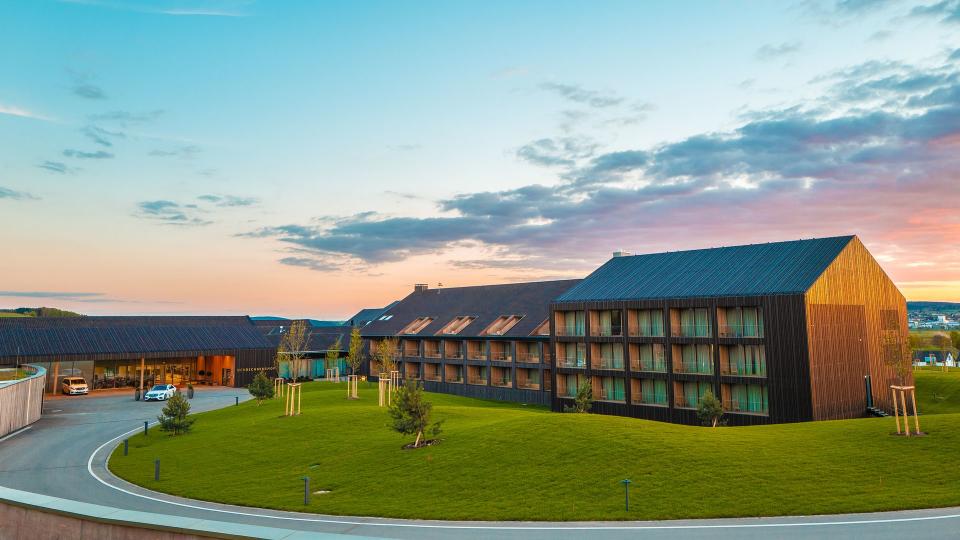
[12, 374]
[938, 392]
[7, 314]
[501, 461]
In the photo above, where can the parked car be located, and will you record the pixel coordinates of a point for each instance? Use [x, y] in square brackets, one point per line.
[160, 392]
[74, 386]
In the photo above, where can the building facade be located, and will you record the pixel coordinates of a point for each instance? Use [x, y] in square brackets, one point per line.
[780, 332]
[489, 342]
[124, 352]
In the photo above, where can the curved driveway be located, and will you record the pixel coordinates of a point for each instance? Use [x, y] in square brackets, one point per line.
[64, 453]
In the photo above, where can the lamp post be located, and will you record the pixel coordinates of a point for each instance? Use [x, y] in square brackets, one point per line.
[626, 494]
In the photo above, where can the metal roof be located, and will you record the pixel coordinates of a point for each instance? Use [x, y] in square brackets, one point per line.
[51, 336]
[485, 302]
[750, 270]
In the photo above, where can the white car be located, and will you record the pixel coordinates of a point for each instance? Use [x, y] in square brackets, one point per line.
[160, 392]
[74, 386]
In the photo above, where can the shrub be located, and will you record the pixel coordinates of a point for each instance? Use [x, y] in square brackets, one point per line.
[173, 417]
[261, 388]
[411, 414]
[710, 410]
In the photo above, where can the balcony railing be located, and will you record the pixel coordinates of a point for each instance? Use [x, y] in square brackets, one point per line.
[503, 382]
[640, 331]
[691, 330]
[564, 331]
[528, 386]
[730, 405]
[454, 355]
[610, 363]
[432, 378]
[476, 355]
[431, 354]
[572, 362]
[500, 356]
[684, 403]
[456, 379]
[647, 400]
[741, 331]
[611, 395]
[659, 366]
[693, 367]
[609, 331]
[476, 380]
[411, 353]
[528, 357]
[742, 371]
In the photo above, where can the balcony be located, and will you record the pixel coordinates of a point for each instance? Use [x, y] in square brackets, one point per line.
[682, 402]
[477, 380]
[638, 331]
[605, 362]
[476, 355]
[741, 331]
[453, 353]
[431, 350]
[757, 408]
[565, 331]
[697, 368]
[431, 372]
[500, 356]
[571, 362]
[528, 357]
[691, 330]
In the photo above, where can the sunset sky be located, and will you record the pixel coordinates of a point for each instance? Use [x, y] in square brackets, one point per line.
[307, 158]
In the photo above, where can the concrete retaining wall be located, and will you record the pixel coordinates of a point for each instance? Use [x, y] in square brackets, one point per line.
[21, 401]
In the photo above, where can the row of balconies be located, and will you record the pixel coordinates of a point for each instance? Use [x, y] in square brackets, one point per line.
[735, 322]
[523, 352]
[735, 360]
[527, 378]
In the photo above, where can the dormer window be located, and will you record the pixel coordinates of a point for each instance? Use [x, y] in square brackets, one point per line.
[456, 325]
[543, 329]
[417, 325]
[502, 325]
[385, 318]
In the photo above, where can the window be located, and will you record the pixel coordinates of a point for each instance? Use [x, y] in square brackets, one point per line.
[567, 385]
[570, 323]
[609, 389]
[572, 355]
[693, 359]
[502, 325]
[692, 322]
[608, 356]
[743, 360]
[608, 323]
[687, 395]
[740, 322]
[456, 325]
[543, 329]
[500, 376]
[646, 323]
[385, 318]
[648, 392]
[647, 357]
[745, 398]
[417, 325]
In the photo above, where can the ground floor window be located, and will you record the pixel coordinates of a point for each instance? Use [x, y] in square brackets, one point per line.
[745, 398]
[688, 394]
[609, 389]
[648, 392]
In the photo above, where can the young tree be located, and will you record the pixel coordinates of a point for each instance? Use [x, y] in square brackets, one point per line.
[955, 340]
[261, 388]
[411, 414]
[386, 355]
[897, 357]
[709, 410]
[584, 400]
[173, 417]
[332, 358]
[355, 352]
[293, 344]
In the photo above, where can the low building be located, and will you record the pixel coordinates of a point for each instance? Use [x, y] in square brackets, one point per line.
[320, 341]
[118, 352]
[780, 332]
[489, 341]
[934, 358]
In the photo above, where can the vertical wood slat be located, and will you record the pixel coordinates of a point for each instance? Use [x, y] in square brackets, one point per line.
[21, 402]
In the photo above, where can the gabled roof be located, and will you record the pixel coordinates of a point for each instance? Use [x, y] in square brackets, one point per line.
[749, 270]
[320, 339]
[368, 315]
[485, 302]
[50, 336]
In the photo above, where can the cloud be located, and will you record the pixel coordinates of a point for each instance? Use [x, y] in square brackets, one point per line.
[405, 147]
[171, 213]
[859, 7]
[948, 11]
[229, 201]
[102, 136]
[7, 193]
[771, 52]
[563, 151]
[954, 56]
[183, 152]
[126, 118]
[11, 110]
[82, 87]
[824, 167]
[79, 154]
[880, 35]
[580, 95]
[57, 167]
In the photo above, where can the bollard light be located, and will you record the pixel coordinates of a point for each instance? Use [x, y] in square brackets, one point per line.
[306, 490]
[126, 446]
[236, 401]
[626, 494]
[156, 469]
[145, 427]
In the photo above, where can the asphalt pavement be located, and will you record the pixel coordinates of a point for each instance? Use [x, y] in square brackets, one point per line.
[64, 453]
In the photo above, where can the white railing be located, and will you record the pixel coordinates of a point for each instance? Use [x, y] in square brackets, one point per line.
[21, 400]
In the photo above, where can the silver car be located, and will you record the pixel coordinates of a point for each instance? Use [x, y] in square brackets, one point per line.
[160, 392]
[74, 386]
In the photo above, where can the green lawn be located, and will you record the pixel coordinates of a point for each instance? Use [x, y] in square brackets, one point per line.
[510, 462]
[937, 392]
[12, 374]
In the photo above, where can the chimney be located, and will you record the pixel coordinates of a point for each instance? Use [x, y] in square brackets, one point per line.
[621, 253]
[420, 287]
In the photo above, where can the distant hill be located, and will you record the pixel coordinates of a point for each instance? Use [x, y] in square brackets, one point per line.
[918, 307]
[37, 312]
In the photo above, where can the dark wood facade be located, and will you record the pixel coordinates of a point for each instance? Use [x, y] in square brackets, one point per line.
[818, 347]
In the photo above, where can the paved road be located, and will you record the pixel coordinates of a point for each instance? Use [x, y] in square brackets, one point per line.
[53, 457]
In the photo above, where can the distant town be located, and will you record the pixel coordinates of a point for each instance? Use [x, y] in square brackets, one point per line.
[933, 315]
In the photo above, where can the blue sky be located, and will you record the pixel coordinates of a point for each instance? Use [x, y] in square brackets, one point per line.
[323, 156]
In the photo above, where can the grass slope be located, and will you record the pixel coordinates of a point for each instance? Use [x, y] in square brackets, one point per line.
[938, 392]
[503, 461]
